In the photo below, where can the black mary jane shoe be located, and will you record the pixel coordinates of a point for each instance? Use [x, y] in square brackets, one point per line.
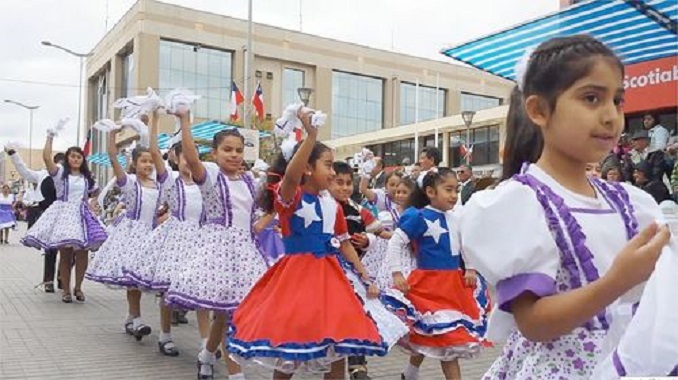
[168, 348]
[202, 376]
[49, 288]
[67, 298]
[141, 331]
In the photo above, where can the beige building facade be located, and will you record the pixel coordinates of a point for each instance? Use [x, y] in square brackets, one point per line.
[363, 90]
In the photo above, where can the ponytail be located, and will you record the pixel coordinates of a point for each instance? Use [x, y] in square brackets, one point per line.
[524, 141]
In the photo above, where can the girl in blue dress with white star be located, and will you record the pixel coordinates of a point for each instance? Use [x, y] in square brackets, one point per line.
[311, 309]
[446, 305]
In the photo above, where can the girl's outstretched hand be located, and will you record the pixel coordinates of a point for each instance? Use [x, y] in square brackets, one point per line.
[304, 114]
[635, 263]
[400, 282]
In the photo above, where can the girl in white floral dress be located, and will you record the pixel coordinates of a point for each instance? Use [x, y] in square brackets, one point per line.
[230, 262]
[562, 249]
[142, 195]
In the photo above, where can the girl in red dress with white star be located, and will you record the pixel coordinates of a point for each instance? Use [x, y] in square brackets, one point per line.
[311, 309]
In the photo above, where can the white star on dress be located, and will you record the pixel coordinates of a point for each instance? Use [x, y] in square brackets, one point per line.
[307, 212]
[434, 229]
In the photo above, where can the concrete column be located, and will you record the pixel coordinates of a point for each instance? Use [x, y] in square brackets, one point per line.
[446, 148]
[322, 99]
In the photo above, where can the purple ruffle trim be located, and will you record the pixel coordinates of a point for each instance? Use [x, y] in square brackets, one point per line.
[94, 231]
[552, 203]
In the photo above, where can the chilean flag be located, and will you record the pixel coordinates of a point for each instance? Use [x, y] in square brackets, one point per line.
[87, 148]
[258, 102]
[236, 100]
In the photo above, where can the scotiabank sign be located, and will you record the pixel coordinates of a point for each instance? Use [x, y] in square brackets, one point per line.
[651, 85]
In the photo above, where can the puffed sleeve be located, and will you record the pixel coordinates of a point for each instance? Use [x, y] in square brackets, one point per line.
[211, 173]
[411, 225]
[505, 237]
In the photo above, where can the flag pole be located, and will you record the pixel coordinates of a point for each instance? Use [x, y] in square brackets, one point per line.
[248, 52]
[416, 121]
[437, 104]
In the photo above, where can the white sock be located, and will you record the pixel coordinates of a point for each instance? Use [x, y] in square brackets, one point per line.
[129, 318]
[411, 372]
[165, 337]
[237, 376]
[136, 322]
[203, 343]
[207, 357]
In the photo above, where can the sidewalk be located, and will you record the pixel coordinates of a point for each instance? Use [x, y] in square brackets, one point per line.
[43, 338]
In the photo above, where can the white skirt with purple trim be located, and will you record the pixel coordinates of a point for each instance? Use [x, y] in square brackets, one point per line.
[227, 266]
[169, 249]
[121, 247]
[66, 225]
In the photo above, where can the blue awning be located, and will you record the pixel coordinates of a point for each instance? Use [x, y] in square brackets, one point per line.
[204, 131]
[103, 160]
[637, 31]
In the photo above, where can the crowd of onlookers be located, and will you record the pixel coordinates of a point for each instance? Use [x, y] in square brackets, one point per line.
[647, 159]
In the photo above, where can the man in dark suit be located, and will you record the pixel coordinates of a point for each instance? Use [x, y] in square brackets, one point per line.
[466, 182]
[42, 198]
[378, 175]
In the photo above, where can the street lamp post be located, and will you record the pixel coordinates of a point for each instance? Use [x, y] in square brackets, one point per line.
[467, 116]
[30, 127]
[82, 57]
[305, 94]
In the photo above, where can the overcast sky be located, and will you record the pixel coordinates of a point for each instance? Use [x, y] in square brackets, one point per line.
[38, 75]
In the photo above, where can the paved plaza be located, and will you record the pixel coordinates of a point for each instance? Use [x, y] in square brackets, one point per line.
[43, 338]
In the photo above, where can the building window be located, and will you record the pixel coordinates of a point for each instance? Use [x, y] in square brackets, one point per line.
[357, 104]
[394, 153]
[430, 105]
[485, 142]
[205, 71]
[292, 80]
[128, 89]
[473, 102]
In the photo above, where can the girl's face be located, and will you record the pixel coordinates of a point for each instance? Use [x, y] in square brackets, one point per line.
[74, 160]
[183, 167]
[321, 173]
[229, 154]
[613, 175]
[444, 195]
[5, 189]
[587, 119]
[144, 165]
[593, 169]
[402, 194]
[392, 185]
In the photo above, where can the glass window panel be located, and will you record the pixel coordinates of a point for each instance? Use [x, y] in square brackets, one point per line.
[206, 71]
[473, 102]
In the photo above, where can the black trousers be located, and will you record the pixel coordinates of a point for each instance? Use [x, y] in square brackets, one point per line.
[49, 268]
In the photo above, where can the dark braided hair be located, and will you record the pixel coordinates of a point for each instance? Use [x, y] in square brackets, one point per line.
[277, 171]
[219, 136]
[418, 197]
[552, 68]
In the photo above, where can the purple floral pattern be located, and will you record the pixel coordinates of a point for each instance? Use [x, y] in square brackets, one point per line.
[222, 274]
[572, 357]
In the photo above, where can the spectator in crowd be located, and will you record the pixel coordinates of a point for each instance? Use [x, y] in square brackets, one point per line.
[429, 158]
[415, 171]
[612, 173]
[467, 185]
[593, 169]
[642, 176]
[659, 136]
[658, 160]
[378, 175]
